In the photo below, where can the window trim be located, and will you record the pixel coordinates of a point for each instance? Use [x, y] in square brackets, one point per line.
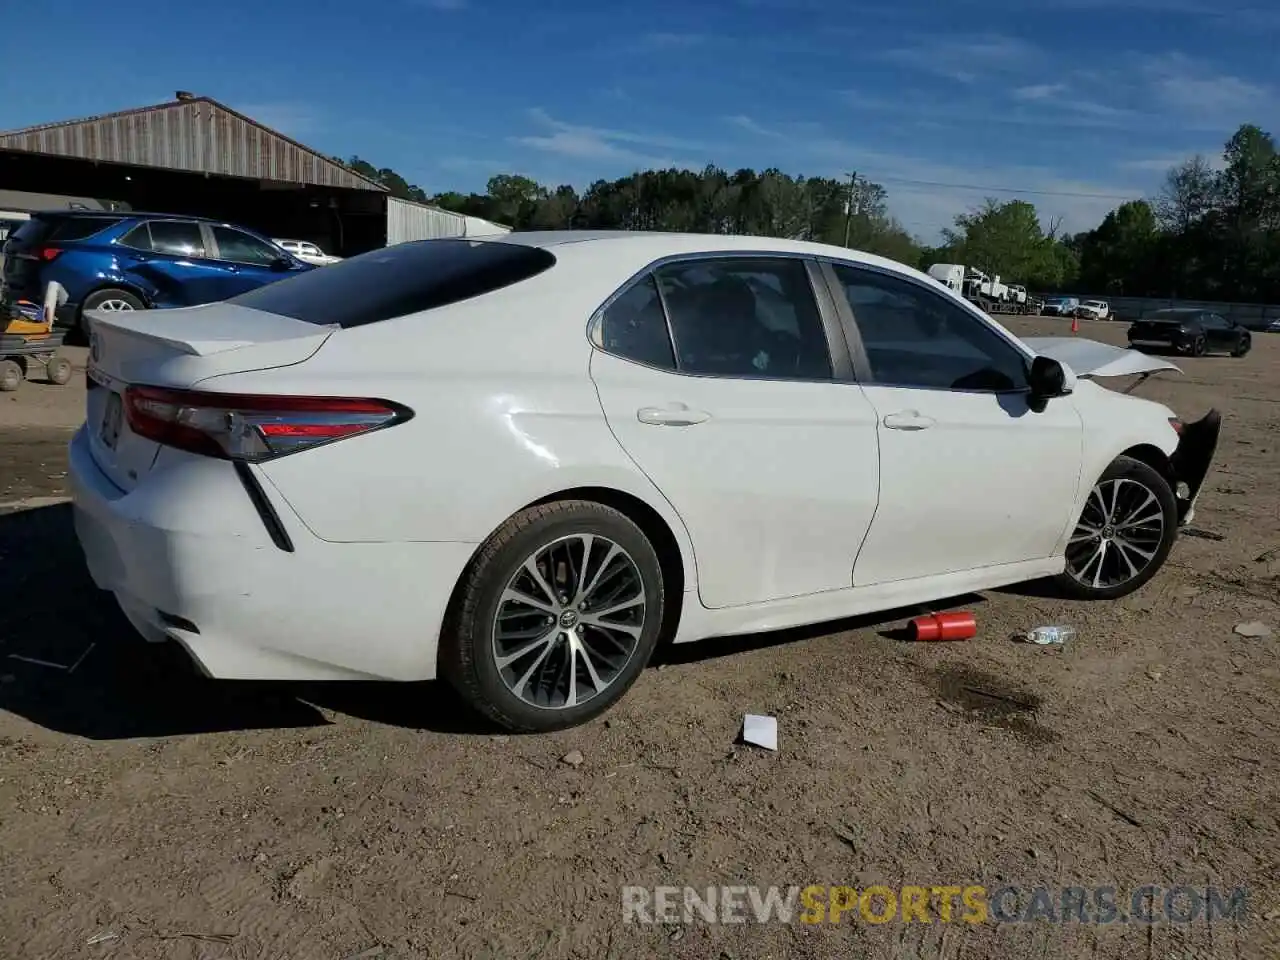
[217, 247]
[858, 351]
[842, 367]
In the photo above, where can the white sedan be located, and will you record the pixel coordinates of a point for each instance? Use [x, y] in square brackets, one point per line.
[307, 252]
[520, 463]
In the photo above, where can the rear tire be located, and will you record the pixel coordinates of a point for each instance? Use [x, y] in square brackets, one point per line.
[1241, 348]
[108, 299]
[557, 615]
[10, 376]
[1124, 534]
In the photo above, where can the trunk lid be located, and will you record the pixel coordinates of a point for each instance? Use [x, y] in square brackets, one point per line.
[175, 348]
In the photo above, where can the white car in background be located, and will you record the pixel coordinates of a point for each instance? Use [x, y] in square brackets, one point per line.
[522, 462]
[1093, 310]
[307, 252]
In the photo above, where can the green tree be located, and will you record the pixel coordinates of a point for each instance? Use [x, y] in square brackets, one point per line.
[1118, 257]
[1006, 239]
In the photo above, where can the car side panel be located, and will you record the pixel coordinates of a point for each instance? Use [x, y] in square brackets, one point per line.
[488, 437]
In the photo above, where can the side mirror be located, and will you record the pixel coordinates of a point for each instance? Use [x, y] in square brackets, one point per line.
[1048, 379]
[281, 264]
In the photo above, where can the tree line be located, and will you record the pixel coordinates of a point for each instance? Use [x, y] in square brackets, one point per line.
[1211, 232]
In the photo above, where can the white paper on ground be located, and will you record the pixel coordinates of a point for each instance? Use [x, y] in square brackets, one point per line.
[760, 731]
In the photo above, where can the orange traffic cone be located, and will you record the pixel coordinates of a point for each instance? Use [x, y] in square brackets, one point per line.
[1075, 323]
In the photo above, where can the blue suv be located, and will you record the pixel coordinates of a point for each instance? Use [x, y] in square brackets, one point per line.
[136, 261]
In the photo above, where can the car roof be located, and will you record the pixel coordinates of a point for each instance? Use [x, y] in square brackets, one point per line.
[125, 215]
[647, 246]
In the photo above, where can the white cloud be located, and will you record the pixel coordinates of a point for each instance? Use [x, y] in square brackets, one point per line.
[597, 143]
[1163, 164]
[1200, 94]
[294, 120]
[748, 125]
[964, 57]
[1039, 91]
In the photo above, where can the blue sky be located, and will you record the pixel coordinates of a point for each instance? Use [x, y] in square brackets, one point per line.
[1085, 101]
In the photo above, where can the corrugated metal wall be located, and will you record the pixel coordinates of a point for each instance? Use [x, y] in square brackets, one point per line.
[199, 136]
[407, 221]
[412, 221]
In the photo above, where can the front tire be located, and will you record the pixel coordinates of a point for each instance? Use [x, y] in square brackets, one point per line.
[558, 614]
[1124, 533]
[1199, 346]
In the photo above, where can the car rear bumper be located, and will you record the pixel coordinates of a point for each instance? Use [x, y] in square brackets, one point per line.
[1192, 459]
[189, 557]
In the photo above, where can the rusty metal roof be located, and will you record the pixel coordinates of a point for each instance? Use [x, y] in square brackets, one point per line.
[192, 134]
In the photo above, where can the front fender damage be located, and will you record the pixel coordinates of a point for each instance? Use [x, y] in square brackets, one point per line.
[1191, 461]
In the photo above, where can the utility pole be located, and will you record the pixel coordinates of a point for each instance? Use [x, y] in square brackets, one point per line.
[848, 206]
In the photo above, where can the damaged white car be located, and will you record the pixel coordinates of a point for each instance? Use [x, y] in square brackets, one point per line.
[521, 462]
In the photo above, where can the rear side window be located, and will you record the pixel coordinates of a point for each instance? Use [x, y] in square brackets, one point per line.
[398, 280]
[68, 229]
[634, 326]
[32, 232]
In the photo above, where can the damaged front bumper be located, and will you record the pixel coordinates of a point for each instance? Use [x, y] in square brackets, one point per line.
[1191, 461]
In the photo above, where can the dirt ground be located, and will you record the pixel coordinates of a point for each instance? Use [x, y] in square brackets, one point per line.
[166, 816]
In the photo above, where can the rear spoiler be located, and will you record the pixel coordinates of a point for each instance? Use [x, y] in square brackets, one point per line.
[1089, 358]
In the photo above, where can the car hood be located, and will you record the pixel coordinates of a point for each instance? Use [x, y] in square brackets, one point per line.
[1089, 358]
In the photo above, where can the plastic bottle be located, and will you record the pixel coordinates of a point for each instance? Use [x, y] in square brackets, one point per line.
[1052, 635]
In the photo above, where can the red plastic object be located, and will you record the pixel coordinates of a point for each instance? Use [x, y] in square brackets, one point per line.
[944, 626]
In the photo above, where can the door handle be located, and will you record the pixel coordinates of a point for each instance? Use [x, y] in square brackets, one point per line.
[908, 420]
[673, 415]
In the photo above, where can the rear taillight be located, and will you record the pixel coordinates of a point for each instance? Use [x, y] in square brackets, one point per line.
[48, 253]
[251, 427]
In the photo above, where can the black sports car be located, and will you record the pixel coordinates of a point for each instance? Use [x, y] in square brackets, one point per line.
[1189, 330]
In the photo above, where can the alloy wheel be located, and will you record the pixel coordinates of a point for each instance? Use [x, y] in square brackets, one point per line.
[569, 621]
[114, 306]
[1118, 535]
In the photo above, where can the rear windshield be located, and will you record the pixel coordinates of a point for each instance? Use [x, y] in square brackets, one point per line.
[47, 229]
[399, 280]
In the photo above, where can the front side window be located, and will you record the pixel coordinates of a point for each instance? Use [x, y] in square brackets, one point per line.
[176, 238]
[238, 247]
[914, 337]
[745, 317]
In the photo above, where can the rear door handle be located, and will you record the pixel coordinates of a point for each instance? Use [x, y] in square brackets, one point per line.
[673, 415]
[908, 420]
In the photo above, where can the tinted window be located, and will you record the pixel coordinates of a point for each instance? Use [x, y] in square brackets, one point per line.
[238, 247]
[916, 338]
[399, 280]
[634, 326]
[67, 229]
[139, 238]
[1214, 322]
[745, 318]
[176, 238]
